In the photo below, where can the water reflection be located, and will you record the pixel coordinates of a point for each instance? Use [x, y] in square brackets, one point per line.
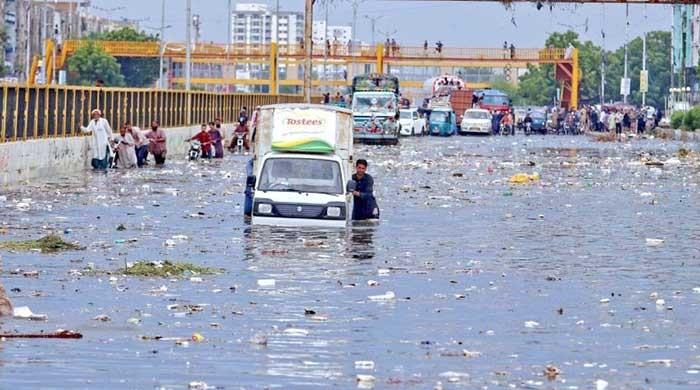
[361, 245]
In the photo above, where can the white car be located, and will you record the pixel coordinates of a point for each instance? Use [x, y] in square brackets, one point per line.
[476, 121]
[411, 122]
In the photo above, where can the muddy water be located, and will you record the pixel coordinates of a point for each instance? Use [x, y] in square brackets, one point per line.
[492, 282]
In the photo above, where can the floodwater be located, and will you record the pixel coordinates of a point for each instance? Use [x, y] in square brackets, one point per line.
[492, 281]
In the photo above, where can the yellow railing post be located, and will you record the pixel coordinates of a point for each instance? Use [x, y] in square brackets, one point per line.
[380, 58]
[273, 68]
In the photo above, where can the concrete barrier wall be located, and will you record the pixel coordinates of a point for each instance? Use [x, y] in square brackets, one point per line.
[45, 158]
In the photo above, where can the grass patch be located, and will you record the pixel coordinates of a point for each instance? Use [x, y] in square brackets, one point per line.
[166, 269]
[47, 244]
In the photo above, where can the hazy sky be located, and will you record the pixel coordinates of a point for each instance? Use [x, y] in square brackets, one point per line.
[463, 24]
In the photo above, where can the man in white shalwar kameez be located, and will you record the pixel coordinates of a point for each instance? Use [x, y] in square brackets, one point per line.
[101, 139]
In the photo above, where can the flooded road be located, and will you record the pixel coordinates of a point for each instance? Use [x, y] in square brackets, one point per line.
[491, 281]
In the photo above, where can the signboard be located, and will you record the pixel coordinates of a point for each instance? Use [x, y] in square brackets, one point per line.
[644, 81]
[304, 130]
[625, 86]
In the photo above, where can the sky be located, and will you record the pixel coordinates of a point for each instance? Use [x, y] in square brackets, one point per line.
[456, 24]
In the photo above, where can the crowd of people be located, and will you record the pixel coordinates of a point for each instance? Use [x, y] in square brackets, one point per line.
[132, 146]
[617, 119]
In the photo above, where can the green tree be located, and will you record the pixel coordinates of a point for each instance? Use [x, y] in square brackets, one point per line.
[537, 86]
[90, 63]
[138, 72]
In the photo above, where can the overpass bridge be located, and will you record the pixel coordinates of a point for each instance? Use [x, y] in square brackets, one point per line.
[283, 65]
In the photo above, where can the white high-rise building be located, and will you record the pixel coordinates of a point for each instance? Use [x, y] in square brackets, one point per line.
[341, 34]
[253, 23]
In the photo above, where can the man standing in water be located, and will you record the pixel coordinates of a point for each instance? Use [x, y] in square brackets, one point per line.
[365, 206]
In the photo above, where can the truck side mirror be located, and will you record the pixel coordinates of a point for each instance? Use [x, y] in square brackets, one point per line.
[351, 186]
[250, 181]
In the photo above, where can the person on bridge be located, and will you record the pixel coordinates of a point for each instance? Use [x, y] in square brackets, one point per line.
[217, 137]
[512, 51]
[204, 138]
[365, 205]
[102, 137]
[157, 143]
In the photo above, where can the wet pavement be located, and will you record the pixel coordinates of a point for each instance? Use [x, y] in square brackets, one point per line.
[467, 282]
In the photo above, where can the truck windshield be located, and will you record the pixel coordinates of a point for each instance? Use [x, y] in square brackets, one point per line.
[406, 115]
[495, 100]
[302, 175]
[374, 103]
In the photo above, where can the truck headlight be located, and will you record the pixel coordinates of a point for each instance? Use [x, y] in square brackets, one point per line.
[333, 211]
[265, 208]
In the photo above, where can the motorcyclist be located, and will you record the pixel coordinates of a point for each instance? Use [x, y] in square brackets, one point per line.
[241, 129]
[507, 122]
[528, 120]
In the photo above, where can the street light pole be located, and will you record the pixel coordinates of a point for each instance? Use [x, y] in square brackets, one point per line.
[373, 20]
[644, 54]
[162, 43]
[627, 30]
[308, 39]
[188, 49]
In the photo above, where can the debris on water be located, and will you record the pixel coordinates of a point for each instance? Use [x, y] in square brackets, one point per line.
[259, 339]
[46, 244]
[102, 317]
[660, 302]
[601, 384]
[605, 301]
[654, 242]
[551, 372]
[22, 206]
[24, 312]
[199, 385]
[295, 332]
[274, 252]
[372, 283]
[309, 312]
[365, 381]
[121, 227]
[165, 269]
[197, 338]
[470, 354]
[364, 365]
[266, 282]
[524, 178]
[453, 376]
[531, 324]
[389, 295]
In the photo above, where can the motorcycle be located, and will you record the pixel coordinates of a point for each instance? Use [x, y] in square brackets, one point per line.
[240, 137]
[195, 150]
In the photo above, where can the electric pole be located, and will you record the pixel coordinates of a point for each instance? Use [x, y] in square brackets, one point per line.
[627, 30]
[644, 55]
[308, 42]
[188, 44]
[373, 20]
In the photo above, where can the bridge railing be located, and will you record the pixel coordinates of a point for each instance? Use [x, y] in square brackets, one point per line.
[335, 50]
[35, 112]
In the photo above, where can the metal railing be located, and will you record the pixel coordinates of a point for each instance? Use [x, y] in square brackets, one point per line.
[36, 112]
[335, 50]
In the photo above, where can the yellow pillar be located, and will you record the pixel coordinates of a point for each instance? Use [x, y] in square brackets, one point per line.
[380, 58]
[274, 69]
[575, 79]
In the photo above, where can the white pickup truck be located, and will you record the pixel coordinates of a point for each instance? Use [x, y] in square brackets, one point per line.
[302, 166]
